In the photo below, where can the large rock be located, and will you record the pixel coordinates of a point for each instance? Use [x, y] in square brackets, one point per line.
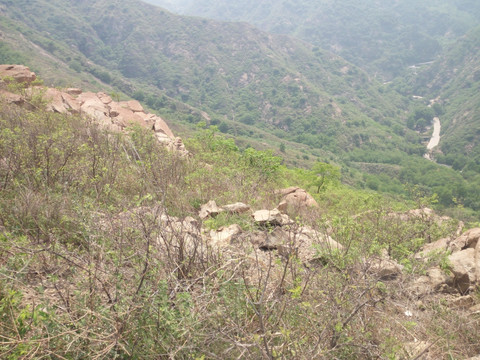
[296, 198]
[463, 268]
[468, 239]
[464, 261]
[209, 209]
[11, 98]
[223, 236]
[18, 73]
[439, 246]
[384, 267]
[237, 208]
[271, 217]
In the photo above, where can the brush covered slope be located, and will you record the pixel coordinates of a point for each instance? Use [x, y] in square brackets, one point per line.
[382, 36]
[113, 247]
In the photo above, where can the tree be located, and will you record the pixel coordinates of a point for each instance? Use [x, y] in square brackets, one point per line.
[324, 174]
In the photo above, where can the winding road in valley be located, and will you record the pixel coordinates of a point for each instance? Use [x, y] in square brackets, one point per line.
[434, 140]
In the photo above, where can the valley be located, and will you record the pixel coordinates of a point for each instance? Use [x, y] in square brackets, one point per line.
[239, 179]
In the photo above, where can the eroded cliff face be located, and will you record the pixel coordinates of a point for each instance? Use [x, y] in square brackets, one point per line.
[113, 115]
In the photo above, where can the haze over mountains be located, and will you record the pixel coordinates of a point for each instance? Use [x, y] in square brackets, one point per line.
[383, 37]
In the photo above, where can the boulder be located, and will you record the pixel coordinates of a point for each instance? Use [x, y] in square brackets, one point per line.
[438, 246]
[436, 280]
[92, 106]
[18, 73]
[275, 240]
[11, 98]
[271, 217]
[61, 102]
[209, 209]
[124, 117]
[463, 268]
[237, 208]
[73, 91]
[223, 236]
[384, 267]
[160, 125]
[104, 98]
[133, 105]
[297, 198]
[468, 239]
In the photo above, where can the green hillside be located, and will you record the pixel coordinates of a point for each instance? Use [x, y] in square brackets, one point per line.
[382, 36]
[266, 91]
[455, 80]
[231, 71]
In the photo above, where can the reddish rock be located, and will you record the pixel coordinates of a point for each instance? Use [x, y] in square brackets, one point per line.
[71, 103]
[11, 98]
[133, 105]
[161, 126]
[19, 73]
[297, 198]
[73, 91]
[104, 98]
[92, 106]
[125, 117]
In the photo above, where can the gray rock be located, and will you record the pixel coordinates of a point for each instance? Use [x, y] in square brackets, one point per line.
[237, 208]
[209, 209]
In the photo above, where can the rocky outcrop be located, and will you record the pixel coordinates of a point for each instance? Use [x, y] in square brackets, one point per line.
[464, 264]
[295, 198]
[17, 73]
[209, 209]
[383, 267]
[271, 218]
[114, 116]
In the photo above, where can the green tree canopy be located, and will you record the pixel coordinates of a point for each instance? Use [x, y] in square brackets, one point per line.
[324, 174]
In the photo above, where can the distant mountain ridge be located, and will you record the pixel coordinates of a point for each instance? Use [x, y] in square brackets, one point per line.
[380, 36]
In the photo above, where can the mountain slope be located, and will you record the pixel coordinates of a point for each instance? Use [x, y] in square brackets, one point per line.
[243, 78]
[381, 36]
[267, 91]
[455, 80]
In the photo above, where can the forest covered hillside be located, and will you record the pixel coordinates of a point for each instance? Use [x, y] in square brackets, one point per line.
[244, 79]
[384, 37]
[455, 79]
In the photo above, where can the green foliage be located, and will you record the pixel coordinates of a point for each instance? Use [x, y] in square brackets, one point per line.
[324, 174]
[9, 55]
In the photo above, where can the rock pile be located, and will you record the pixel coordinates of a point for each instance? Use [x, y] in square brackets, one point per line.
[114, 116]
[463, 263]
